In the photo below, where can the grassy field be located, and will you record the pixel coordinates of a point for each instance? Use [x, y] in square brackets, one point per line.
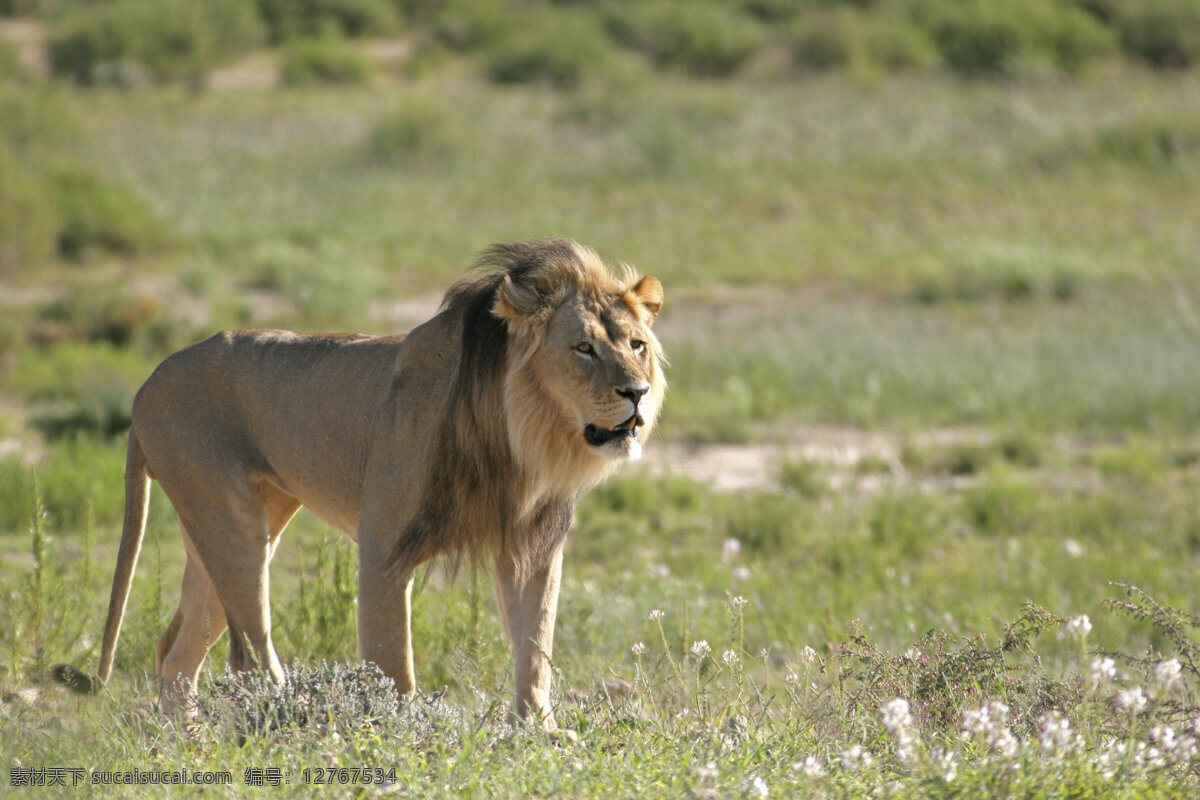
[987, 292]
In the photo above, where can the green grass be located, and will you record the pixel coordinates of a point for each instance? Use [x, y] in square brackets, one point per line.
[1000, 277]
[860, 578]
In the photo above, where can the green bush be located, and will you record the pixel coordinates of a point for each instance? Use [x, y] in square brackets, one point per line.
[703, 38]
[466, 25]
[824, 40]
[131, 41]
[413, 133]
[34, 117]
[318, 279]
[1147, 143]
[982, 38]
[894, 44]
[95, 314]
[291, 19]
[551, 48]
[327, 60]
[29, 220]
[1163, 33]
[97, 215]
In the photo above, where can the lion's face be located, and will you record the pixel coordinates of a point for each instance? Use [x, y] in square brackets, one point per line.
[585, 383]
[600, 361]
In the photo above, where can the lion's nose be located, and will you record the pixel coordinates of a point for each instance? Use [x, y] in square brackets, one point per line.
[634, 393]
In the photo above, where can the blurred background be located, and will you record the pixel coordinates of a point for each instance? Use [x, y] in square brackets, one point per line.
[932, 273]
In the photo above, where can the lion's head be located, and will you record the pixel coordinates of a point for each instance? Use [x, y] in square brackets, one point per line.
[583, 383]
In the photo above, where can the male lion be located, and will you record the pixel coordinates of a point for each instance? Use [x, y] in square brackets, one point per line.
[474, 434]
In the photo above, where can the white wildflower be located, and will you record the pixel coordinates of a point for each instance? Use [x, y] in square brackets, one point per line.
[1056, 732]
[1079, 626]
[1074, 549]
[1185, 749]
[757, 787]
[895, 715]
[899, 724]
[701, 650]
[810, 767]
[946, 764]
[741, 573]
[708, 772]
[639, 648]
[808, 656]
[1164, 735]
[731, 658]
[1131, 700]
[739, 603]
[730, 550]
[1166, 673]
[656, 615]
[856, 757]
[989, 723]
[1103, 669]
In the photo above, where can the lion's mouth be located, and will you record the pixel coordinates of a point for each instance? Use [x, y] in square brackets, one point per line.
[597, 436]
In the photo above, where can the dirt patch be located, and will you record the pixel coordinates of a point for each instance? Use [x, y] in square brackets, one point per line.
[847, 458]
[29, 39]
[256, 71]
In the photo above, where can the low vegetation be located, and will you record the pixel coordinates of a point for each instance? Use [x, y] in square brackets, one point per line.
[955, 238]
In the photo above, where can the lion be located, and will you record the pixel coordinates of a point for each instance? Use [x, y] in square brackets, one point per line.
[473, 435]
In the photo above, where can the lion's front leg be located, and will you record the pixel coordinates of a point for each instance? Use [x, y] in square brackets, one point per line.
[385, 619]
[528, 605]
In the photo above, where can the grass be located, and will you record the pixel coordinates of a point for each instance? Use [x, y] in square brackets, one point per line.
[1000, 277]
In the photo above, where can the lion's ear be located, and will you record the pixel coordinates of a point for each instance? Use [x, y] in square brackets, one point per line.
[649, 293]
[515, 303]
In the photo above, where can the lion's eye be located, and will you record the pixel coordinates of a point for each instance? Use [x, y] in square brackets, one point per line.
[638, 345]
[585, 348]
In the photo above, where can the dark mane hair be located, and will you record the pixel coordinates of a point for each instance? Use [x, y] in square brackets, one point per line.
[470, 506]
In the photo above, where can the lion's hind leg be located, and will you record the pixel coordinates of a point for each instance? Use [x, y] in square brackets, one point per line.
[198, 623]
[230, 544]
[237, 600]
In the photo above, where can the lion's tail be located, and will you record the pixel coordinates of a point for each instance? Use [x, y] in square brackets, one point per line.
[137, 503]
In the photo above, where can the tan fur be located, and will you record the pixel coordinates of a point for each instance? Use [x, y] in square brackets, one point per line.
[473, 436]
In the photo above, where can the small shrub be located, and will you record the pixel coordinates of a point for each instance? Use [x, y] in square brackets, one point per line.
[1148, 143]
[904, 521]
[413, 133]
[104, 411]
[803, 476]
[980, 38]
[1001, 507]
[97, 215]
[163, 40]
[552, 48]
[316, 278]
[977, 38]
[701, 37]
[291, 19]
[467, 25]
[765, 524]
[1163, 33]
[326, 60]
[825, 40]
[354, 696]
[942, 676]
[895, 44]
[108, 315]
